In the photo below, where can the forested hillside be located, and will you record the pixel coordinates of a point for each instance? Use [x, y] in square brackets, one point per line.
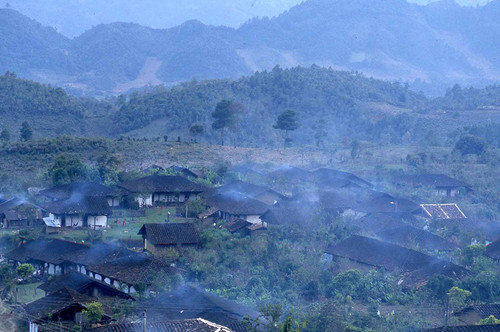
[455, 45]
[49, 110]
[330, 106]
[324, 100]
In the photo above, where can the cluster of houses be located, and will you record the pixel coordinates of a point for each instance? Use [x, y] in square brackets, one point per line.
[392, 235]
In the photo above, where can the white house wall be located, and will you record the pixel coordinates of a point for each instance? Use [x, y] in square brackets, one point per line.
[74, 221]
[33, 327]
[144, 200]
[97, 221]
[254, 219]
[113, 202]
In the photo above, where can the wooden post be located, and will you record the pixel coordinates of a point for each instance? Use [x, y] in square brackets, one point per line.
[144, 321]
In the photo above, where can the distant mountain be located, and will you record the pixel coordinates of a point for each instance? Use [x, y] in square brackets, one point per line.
[73, 17]
[441, 43]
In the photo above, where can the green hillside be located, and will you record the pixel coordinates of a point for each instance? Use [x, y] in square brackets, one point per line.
[331, 107]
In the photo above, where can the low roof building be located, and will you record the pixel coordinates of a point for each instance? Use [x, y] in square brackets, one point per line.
[230, 205]
[169, 234]
[473, 314]
[493, 250]
[82, 284]
[64, 305]
[418, 267]
[408, 236]
[443, 211]
[161, 183]
[184, 325]
[189, 301]
[66, 191]
[332, 178]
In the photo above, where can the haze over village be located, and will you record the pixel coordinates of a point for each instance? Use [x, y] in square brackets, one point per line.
[285, 166]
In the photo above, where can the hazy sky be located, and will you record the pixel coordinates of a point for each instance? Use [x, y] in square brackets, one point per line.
[72, 17]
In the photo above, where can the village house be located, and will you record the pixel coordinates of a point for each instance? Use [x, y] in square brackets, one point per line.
[156, 189]
[54, 256]
[493, 250]
[18, 213]
[126, 273]
[366, 253]
[161, 236]
[380, 202]
[61, 309]
[194, 325]
[442, 185]
[395, 230]
[244, 227]
[78, 211]
[473, 314]
[190, 302]
[260, 193]
[297, 212]
[83, 189]
[331, 178]
[48, 256]
[99, 253]
[252, 172]
[411, 237]
[82, 284]
[233, 205]
[182, 171]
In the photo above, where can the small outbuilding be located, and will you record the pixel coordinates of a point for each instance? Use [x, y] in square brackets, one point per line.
[161, 236]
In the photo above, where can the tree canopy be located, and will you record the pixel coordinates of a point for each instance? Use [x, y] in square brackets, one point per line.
[225, 115]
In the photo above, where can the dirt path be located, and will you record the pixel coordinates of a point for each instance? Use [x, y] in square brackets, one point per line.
[7, 321]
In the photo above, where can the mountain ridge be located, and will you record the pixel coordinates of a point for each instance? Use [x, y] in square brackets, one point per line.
[379, 40]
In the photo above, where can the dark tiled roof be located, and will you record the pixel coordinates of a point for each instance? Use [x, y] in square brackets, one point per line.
[182, 171]
[185, 325]
[327, 177]
[171, 233]
[377, 253]
[100, 253]
[290, 173]
[160, 183]
[132, 269]
[385, 203]
[71, 280]
[53, 251]
[431, 180]
[483, 310]
[66, 191]
[420, 277]
[80, 283]
[465, 328]
[80, 204]
[406, 235]
[335, 200]
[248, 189]
[392, 257]
[189, 301]
[236, 204]
[443, 211]
[14, 203]
[377, 222]
[296, 213]
[493, 250]
[236, 225]
[56, 302]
